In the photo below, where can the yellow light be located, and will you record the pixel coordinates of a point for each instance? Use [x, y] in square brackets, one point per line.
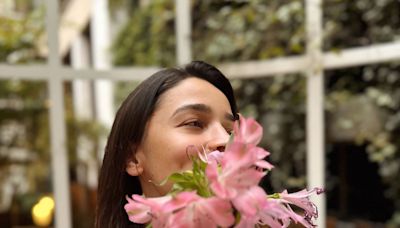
[42, 211]
[47, 201]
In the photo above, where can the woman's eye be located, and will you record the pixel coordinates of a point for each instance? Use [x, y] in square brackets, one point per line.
[196, 123]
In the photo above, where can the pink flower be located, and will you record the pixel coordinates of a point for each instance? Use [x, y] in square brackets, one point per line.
[228, 184]
[212, 156]
[241, 165]
[301, 200]
[243, 152]
[304, 220]
[249, 203]
[191, 210]
[137, 212]
[238, 155]
[180, 201]
[240, 168]
[247, 131]
[256, 208]
[142, 210]
[274, 214]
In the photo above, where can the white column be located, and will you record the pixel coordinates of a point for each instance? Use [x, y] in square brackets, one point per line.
[87, 170]
[100, 37]
[183, 30]
[81, 89]
[59, 158]
[315, 106]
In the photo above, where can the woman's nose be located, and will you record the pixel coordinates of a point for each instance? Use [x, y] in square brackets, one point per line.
[218, 139]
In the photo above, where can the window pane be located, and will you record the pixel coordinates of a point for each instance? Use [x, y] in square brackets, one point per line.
[25, 170]
[22, 32]
[363, 159]
[144, 33]
[360, 23]
[86, 142]
[247, 30]
[278, 103]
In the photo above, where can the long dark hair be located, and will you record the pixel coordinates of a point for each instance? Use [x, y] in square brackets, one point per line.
[127, 132]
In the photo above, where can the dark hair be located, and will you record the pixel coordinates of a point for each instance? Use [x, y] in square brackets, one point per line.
[127, 132]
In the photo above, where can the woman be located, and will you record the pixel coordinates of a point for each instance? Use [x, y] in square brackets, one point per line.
[153, 129]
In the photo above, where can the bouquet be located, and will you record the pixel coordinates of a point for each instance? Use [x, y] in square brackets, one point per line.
[222, 190]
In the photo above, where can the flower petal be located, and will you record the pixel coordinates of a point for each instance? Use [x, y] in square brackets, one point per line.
[137, 212]
[247, 131]
[219, 210]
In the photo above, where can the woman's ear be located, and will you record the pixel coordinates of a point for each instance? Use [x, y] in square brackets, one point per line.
[134, 166]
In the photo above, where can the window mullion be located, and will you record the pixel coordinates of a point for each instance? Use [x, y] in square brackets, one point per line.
[59, 158]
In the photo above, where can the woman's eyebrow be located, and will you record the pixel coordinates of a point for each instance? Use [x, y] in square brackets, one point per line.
[194, 107]
[201, 108]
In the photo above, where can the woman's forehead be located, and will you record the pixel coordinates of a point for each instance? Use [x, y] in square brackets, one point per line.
[194, 91]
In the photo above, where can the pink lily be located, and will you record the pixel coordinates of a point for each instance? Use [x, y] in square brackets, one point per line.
[256, 208]
[191, 210]
[181, 200]
[301, 199]
[137, 212]
[242, 162]
[142, 210]
[212, 156]
[304, 220]
[243, 152]
[239, 155]
[227, 185]
[241, 167]
[249, 203]
[274, 214]
[247, 131]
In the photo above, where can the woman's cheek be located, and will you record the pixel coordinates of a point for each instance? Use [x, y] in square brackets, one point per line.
[183, 157]
[187, 146]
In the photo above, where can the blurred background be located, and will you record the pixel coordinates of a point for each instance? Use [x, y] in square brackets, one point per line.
[57, 104]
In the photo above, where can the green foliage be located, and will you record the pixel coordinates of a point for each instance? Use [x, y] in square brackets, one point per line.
[241, 31]
[194, 179]
[26, 103]
[381, 85]
[124, 88]
[18, 37]
[24, 114]
[25, 106]
[222, 31]
[360, 22]
[154, 25]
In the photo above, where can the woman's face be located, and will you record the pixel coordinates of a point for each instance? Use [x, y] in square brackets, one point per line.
[194, 112]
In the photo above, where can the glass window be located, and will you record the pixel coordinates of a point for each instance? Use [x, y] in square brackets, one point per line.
[278, 103]
[224, 31]
[26, 196]
[363, 160]
[359, 23]
[22, 32]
